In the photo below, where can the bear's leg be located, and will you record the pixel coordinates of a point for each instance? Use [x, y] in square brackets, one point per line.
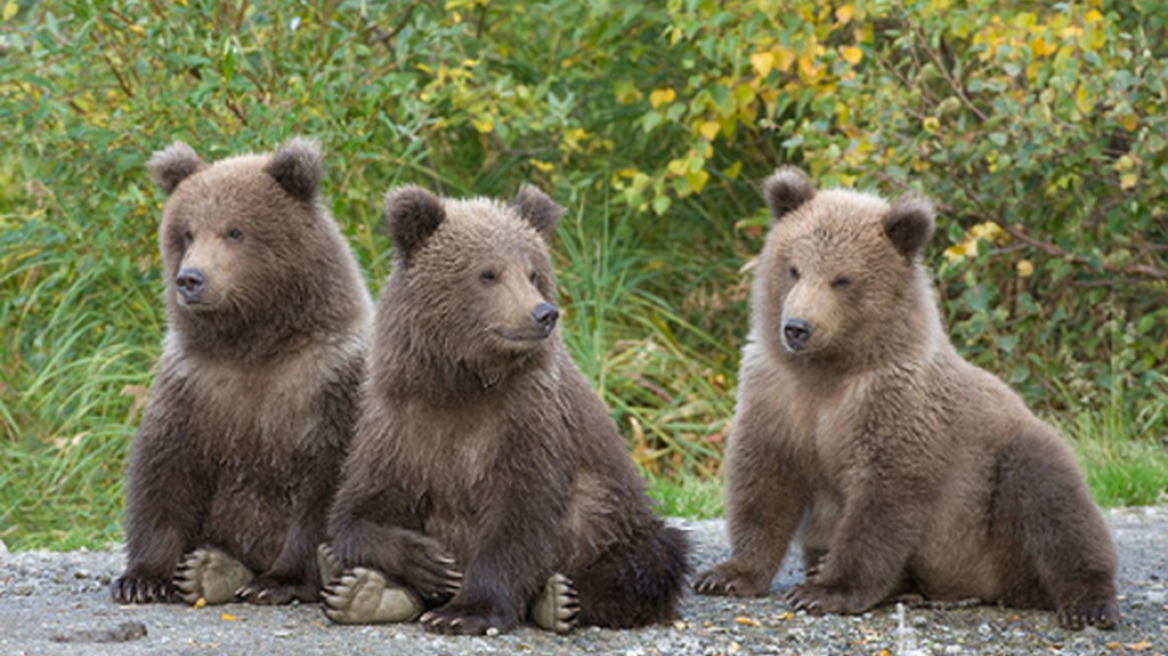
[766, 500]
[1044, 508]
[211, 575]
[556, 607]
[365, 596]
[635, 583]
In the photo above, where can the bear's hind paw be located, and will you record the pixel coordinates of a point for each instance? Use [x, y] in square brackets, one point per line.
[557, 606]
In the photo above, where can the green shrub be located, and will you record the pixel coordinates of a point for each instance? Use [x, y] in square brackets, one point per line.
[1042, 132]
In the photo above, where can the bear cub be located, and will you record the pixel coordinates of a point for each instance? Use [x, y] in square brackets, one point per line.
[903, 468]
[487, 483]
[255, 395]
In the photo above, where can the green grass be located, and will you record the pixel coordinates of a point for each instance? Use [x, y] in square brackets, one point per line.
[1123, 460]
[691, 497]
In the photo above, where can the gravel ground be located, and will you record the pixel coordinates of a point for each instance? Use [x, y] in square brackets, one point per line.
[57, 603]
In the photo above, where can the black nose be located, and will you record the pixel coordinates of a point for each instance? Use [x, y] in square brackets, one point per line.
[545, 314]
[796, 332]
[190, 282]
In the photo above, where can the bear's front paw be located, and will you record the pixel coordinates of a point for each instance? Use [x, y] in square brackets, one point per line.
[1099, 613]
[467, 619]
[728, 579]
[135, 590]
[431, 572]
[818, 599]
[273, 591]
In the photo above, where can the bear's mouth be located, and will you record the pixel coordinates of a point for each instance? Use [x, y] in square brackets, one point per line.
[533, 335]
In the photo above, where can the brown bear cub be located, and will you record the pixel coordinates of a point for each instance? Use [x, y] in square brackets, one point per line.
[905, 469]
[255, 396]
[487, 482]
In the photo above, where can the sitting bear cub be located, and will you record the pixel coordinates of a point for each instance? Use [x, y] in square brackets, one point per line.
[233, 468]
[904, 468]
[487, 482]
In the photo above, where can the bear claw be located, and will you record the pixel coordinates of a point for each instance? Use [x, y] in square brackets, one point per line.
[557, 606]
[1100, 614]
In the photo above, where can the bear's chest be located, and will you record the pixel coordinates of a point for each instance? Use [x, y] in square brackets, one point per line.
[826, 421]
[250, 420]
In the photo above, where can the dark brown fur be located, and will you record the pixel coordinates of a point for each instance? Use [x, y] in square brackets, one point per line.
[906, 468]
[255, 394]
[481, 449]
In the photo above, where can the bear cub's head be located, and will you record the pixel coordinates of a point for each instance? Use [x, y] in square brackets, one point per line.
[840, 274]
[474, 276]
[244, 236]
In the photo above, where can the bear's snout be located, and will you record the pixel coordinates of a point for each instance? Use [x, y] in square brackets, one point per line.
[796, 332]
[545, 314]
[190, 282]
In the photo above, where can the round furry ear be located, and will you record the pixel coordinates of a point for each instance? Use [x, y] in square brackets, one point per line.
[786, 189]
[538, 209]
[909, 224]
[412, 214]
[298, 167]
[173, 165]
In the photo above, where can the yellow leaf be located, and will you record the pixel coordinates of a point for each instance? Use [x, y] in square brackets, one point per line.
[844, 14]
[786, 58]
[1025, 268]
[852, 54]
[1083, 101]
[199, 603]
[1130, 122]
[1040, 48]
[484, 124]
[227, 617]
[1142, 645]
[1093, 16]
[808, 67]
[709, 129]
[955, 251]
[697, 180]
[546, 167]
[746, 621]
[1128, 180]
[762, 62]
[661, 96]
[930, 124]
[10, 10]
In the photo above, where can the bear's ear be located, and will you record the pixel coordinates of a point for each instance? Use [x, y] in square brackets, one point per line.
[786, 189]
[298, 167]
[538, 209]
[173, 165]
[909, 224]
[412, 214]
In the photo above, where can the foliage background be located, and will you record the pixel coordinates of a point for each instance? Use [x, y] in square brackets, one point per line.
[1042, 133]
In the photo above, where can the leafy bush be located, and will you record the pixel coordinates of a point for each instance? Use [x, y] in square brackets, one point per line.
[1042, 132]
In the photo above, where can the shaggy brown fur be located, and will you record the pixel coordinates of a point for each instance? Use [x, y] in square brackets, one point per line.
[909, 469]
[484, 463]
[255, 394]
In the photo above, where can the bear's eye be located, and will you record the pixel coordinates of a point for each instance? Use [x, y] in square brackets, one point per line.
[841, 282]
[188, 237]
[793, 272]
[533, 278]
[488, 275]
[234, 234]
